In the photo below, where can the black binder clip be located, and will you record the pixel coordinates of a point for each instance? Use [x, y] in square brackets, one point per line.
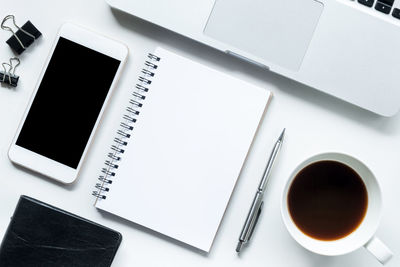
[24, 36]
[8, 77]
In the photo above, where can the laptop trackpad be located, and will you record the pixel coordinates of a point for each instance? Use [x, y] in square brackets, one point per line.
[278, 31]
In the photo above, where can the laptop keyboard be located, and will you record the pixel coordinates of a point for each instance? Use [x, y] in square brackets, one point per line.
[384, 6]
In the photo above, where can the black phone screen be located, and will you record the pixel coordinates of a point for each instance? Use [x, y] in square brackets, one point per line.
[68, 102]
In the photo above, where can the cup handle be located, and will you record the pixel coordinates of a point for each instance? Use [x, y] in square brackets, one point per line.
[377, 248]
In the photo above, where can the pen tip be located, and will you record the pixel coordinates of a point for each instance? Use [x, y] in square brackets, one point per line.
[282, 135]
[239, 246]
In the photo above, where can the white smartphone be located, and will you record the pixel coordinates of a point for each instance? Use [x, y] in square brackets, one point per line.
[67, 103]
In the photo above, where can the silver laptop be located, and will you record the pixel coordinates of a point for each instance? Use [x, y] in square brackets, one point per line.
[349, 49]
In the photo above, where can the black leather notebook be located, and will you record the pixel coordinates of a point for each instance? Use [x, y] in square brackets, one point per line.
[43, 235]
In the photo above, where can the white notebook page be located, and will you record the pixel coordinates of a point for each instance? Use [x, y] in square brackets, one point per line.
[186, 151]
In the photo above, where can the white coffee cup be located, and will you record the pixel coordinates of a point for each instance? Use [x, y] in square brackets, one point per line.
[364, 235]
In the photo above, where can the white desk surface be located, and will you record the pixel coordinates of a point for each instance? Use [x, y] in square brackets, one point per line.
[315, 123]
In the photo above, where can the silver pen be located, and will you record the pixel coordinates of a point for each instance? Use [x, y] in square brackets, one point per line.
[256, 206]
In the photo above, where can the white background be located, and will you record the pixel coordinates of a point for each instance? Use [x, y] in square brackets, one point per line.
[315, 123]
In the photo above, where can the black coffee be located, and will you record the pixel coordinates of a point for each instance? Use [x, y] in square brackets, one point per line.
[327, 200]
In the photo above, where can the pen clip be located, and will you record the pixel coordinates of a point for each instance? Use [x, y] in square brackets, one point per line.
[255, 222]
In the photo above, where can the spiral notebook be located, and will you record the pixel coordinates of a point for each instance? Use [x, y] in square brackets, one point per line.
[179, 149]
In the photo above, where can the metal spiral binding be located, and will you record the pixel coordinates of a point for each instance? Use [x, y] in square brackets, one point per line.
[126, 127]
